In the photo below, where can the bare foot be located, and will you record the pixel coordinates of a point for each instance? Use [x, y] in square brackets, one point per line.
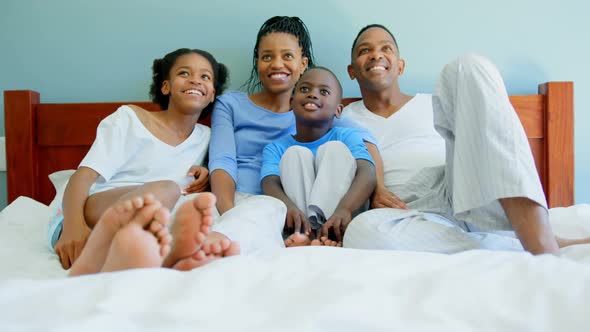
[191, 247]
[135, 247]
[561, 242]
[297, 240]
[215, 246]
[324, 241]
[95, 251]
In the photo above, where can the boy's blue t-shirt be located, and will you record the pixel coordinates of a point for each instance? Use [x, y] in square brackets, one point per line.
[241, 129]
[273, 152]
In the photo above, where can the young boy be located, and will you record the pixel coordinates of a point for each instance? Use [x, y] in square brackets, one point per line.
[323, 174]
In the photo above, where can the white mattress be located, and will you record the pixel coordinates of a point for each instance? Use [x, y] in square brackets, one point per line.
[304, 289]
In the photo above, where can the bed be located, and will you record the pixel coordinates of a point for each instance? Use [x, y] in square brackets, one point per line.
[299, 289]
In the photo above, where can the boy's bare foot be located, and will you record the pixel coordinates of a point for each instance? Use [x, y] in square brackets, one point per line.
[95, 251]
[191, 246]
[135, 247]
[324, 241]
[297, 239]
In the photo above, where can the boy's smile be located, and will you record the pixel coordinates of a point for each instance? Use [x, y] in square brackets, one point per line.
[317, 97]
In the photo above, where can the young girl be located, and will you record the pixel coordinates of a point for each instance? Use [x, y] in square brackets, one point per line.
[243, 124]
[138, 152]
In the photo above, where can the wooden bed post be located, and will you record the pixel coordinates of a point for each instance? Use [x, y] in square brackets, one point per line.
[20, 132]
[559, 136]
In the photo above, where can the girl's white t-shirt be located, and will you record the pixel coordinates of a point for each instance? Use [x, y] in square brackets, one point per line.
[406, 140]
[126, 153]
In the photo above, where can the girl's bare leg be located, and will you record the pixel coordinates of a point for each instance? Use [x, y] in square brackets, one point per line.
[166, 192]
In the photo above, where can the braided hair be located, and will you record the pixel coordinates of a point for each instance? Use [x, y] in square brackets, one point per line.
[291, 25]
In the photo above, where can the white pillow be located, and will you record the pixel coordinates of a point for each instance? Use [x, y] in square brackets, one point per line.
[60, 181]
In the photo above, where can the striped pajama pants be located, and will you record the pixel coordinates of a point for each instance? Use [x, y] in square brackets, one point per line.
[455, 207]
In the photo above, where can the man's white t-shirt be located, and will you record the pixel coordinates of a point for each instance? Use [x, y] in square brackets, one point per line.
[406, 140]
[126, 153]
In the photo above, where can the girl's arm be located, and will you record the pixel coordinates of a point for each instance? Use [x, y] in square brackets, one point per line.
[105, 156]
[75, 230]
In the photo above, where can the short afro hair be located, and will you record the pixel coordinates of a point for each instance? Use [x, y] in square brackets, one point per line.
[367, 28]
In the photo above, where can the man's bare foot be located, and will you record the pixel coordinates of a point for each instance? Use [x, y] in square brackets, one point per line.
[297, 239]
[561, 242]
[95, 251]
[191, 246]
[324, 241]
[135, 247]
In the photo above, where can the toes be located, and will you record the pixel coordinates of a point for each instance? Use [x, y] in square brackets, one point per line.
[137, 202]
[234, 249]
[155, 227]
[164, 238]
[199, 255]
[149, 199]
[207, 221]
[214, 248]
[224, 244]
[147, 213]
[199, 238]
[204, 202]
[164, 250]
[162, 215]
[127, 206]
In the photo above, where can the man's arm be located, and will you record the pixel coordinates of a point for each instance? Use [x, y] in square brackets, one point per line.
[382, 197]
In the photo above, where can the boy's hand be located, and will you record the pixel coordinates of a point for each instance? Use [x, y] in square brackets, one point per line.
[297, 222]
[70, 244]
[338, 222]
[383, 198]
[201, 182]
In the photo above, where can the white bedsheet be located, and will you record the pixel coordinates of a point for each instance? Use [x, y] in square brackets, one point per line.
[304, 289]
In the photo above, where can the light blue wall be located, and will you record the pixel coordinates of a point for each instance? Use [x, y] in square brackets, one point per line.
[102, 50]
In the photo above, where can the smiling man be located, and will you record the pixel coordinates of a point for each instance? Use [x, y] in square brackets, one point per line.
[456, 165]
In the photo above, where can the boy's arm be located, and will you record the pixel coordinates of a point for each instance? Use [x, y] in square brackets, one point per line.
[382, 197]
[296, 219]
[75, 229]
[360, 190]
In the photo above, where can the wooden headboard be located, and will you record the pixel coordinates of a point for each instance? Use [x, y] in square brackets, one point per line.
[44, 138]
